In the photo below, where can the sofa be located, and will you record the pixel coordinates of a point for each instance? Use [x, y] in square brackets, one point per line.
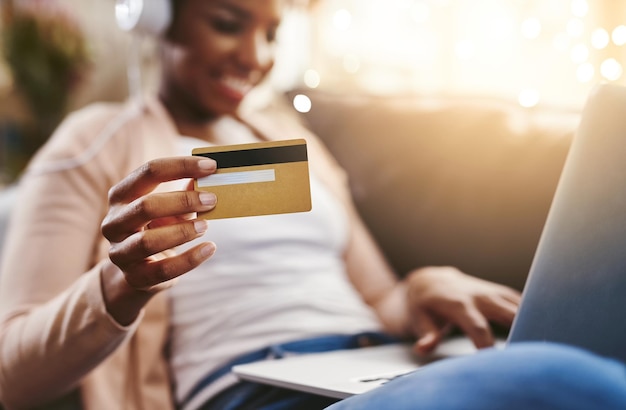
[443, 180]
[448, 180]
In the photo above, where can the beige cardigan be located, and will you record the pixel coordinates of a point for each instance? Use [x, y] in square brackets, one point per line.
[55, 334]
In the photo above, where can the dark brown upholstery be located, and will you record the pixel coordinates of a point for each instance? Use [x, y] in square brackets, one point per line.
[448, 181]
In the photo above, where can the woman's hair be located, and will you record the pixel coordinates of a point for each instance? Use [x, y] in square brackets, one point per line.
[303, 4]
[298, 3]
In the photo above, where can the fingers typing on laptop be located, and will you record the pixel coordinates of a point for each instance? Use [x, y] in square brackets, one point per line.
[442, 297]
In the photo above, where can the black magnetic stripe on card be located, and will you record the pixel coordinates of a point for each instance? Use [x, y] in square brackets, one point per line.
[258, 156]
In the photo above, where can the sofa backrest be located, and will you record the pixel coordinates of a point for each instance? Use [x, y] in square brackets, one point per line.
[448, 181]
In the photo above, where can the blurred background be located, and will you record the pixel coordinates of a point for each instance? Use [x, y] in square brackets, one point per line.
[58, 55]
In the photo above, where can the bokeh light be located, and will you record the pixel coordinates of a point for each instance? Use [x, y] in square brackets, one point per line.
[619, 35]
[561, 42]
[580, 8]
[600, 38]
[342, 20]
[531, 28]
[579, 53]
[575, 28]
[312, 78]
[420, 12]
[559, 48]
[351, 63]
[585, 72]
[302, 103]
[464, 49]
[611, 69]
[529, 98]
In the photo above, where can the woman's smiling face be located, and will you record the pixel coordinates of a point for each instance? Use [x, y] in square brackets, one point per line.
[216, 51]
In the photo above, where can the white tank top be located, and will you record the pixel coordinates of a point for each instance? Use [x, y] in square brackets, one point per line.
[272, 279]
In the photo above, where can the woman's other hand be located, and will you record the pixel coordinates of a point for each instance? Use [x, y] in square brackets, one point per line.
[440, 297]
[144, 227]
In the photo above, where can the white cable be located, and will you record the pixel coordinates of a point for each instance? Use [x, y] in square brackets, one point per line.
[133, 68]
[74, 162]
[135, 89]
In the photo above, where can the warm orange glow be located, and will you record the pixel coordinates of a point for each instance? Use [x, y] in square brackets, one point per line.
[535, 51]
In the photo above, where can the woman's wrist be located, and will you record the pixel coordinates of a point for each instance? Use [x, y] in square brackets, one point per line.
[123, 302]
[393, 310]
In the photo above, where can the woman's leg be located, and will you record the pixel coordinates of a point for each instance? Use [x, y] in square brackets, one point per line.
[254, 396]
[523, 376]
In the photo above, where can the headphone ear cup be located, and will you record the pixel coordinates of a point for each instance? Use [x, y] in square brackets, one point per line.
[148, 17]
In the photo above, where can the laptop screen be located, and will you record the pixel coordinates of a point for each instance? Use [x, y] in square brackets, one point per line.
[575, 292]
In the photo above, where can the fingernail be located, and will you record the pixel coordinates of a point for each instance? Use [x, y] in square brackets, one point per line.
[208, 198]
[207, 164]
[201, 225]
[426, 340]
[207, 250]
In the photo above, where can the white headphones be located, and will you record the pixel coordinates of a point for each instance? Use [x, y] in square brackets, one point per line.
[148, 17]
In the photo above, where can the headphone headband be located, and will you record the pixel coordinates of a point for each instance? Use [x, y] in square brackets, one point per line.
[149, 17]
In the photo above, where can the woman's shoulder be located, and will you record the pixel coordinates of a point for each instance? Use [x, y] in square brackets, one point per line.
[96, 110]
[92, 119]
[89, 130]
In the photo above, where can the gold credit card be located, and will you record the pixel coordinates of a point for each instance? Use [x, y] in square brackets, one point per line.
[261, 178]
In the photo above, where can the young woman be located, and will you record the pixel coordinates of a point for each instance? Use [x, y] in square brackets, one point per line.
[89, 308]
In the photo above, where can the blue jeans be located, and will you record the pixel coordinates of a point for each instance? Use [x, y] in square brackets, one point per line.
[537, 376]
[254, 396]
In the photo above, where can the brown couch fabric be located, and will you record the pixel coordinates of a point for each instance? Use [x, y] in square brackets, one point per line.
[448, 181]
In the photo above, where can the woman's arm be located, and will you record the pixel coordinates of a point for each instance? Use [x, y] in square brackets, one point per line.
[374, 278]
[56, 313]
[52, 313]
[428, 300]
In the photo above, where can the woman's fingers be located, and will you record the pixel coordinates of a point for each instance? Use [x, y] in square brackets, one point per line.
[126, 220]
[145, 178]
[428, 333]
[511, 295]
[466, 316]
[499, 310]
[449, 296]
[170, 220]
[144, 227]
[151, 273]
[475, 325]
[132, 207]
[144, 244]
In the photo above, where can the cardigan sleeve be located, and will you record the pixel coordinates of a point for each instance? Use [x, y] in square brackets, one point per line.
[53, 324]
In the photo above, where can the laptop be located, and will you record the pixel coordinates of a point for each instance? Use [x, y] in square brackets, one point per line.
[343, 373]
[575, 291]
